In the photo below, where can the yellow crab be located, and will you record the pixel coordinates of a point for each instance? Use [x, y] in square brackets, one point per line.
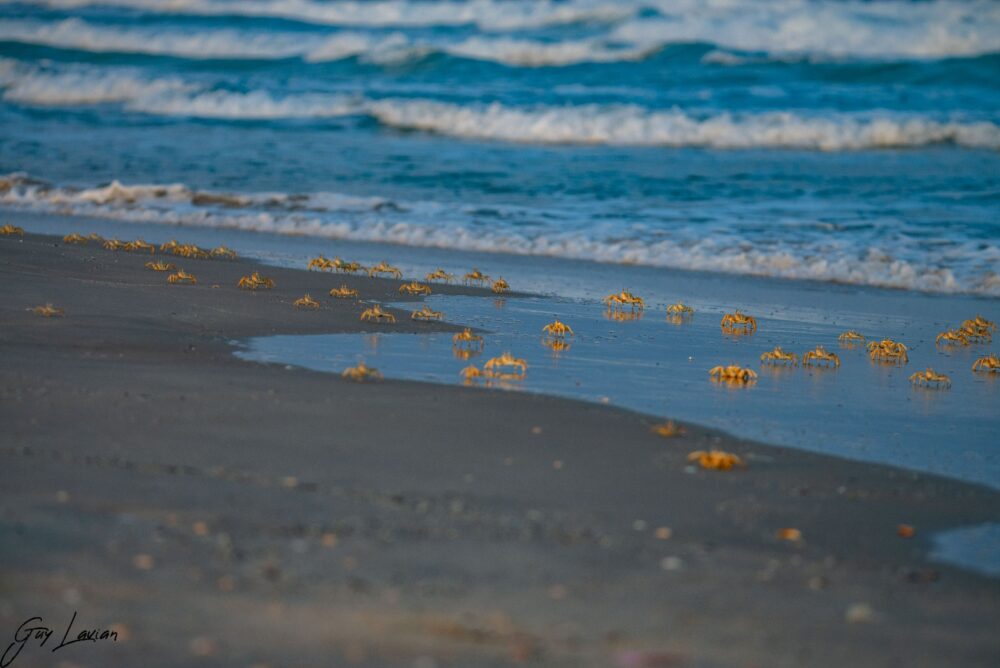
[501, 286]
[223, 253]
[255, 282]
[739, 321]
[779, 356]
[475, 276]
[467, 339]
[48, 311]
[557, 330]
[139, 245]
[718, 460]
[425, 313]
[115, 244]
[181, 277]
[344, 292]
[888, 350]
[169, 246]
[75, 239]
[979, 324]
[385, 268]
[820, 356]
[620, 300]
[952, 336]
[305, 301]
[930, 379]
[470, 373]
[506, 367]
[377, 314]
[361, 372]
[9, 230]
[851, 337]
[321, 263]
[348, 267]
[94, 236]
[190, 251]
[667, 429]
[990, 363]
[439, 275]
[414, 288]
[732, 374]
[160, 266]
[680, 309]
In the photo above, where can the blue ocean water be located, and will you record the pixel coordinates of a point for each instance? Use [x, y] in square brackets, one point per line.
[832, 140]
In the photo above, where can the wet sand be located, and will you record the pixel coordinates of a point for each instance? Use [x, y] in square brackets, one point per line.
[222, 512]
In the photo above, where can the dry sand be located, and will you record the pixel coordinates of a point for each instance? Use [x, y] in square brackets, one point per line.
[221, 512]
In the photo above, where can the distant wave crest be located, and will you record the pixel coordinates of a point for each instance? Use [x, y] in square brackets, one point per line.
[336, 216]
[778, 29]
[571, 124]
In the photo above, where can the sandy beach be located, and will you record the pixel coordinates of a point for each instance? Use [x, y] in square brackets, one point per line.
[215, 511]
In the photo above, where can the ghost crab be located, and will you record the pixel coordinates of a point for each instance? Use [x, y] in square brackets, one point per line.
[75, 239]
[733, 374]
[9, 230]
[439, 275]
[500, 286]
[820, 356]
[952, 337]
[361, 372]
[344, 292]
[321, 263]
[506, 367]
[930, 378]
[618, 301]
[779, 356]
[466, 339]
[475, 276]
[990, 364]
[160, 266]
[680, 310]
[255, 282]
[221, 252]
[385, 268]
[557, 330]
[414, 288]
[889, 351]
[182, 277]
[376, 314]
[851, 338]
[425, 313]
[739, 322]
[717, 460]
[306, 301]
[139, 245]
[48, 311]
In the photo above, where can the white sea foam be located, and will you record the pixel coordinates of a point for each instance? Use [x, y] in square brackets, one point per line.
[489, 15]
[77, 87]
[820, 28]
[372, 47]
[595, 124]
[896, 263]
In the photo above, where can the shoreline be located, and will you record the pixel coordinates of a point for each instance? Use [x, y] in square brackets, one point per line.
[432, 526]
[27, 217]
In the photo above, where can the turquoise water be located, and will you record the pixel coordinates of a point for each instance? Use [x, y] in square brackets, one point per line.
[847, 141]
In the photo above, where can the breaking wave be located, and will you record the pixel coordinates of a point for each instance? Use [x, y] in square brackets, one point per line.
[336, 216]
[817, 29]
